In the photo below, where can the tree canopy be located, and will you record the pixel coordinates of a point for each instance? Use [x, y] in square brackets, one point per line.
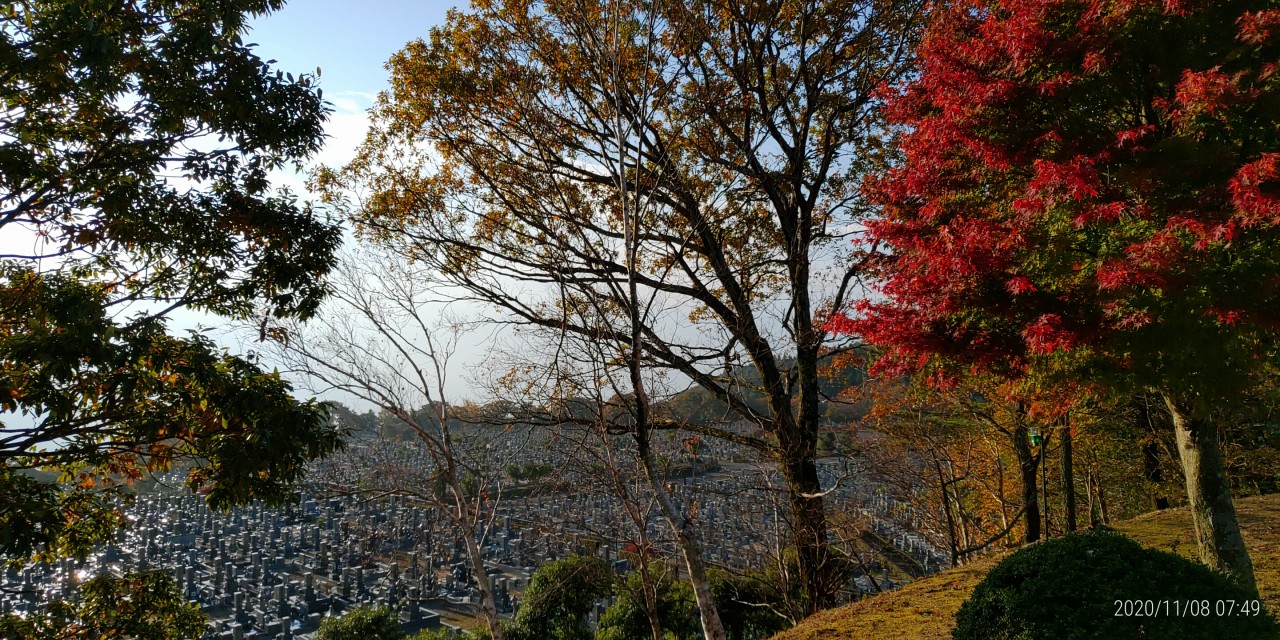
[142, 606]
[560, 595]
[501, 153]
[1087, 195]
[135, 145]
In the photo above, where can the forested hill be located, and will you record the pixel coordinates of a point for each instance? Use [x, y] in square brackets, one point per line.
[695, 405]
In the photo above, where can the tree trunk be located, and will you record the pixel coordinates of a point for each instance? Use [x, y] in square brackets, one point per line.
[650, 589]
[1102, 498]
[1151, 455]
[682, 527]
[946, 512]
[488, 608]
[1095, 518]
[1068, 478]
[1004, 505]
[1045, 531]
[809, 521]
[1208, 495]
[651, 612]
[1027, 469]
[819, 576]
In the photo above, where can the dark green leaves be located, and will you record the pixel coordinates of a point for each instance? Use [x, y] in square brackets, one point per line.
[106, 403]
[136, 141]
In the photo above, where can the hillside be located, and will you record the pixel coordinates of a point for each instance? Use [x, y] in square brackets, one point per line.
[924, 609]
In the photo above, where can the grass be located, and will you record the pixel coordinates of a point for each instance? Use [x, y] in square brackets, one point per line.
[925, 609]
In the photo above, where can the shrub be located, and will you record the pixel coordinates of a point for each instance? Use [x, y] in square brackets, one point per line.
[677, 611]
[560, 595]
[1076, 587]
[362, 623]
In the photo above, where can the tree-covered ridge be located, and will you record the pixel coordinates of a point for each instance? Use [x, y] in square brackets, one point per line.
[839, 383]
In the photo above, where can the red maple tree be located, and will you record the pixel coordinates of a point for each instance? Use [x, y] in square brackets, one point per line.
[1090, 191]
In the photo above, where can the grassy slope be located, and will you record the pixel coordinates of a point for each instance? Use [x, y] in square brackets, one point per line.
[925, 609]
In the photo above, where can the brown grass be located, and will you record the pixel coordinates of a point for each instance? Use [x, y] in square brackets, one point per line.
[925, 609]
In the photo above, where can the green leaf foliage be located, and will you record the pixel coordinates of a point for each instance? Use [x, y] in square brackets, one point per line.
[107, 103]
[677, 611]
[110, 404]
[136, 139]
[1068, 588]
[144, 606]
[362, 623]
[560, 595]
[747, 604]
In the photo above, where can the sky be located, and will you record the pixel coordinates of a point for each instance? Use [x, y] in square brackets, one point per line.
[349, 41]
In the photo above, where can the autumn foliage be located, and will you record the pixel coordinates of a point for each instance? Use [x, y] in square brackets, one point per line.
[1089, 193]
[1091, 186]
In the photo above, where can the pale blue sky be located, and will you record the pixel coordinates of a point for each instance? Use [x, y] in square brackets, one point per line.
[349, 40]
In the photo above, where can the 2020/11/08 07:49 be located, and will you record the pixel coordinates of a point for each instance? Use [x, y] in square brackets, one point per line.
[1187, 608]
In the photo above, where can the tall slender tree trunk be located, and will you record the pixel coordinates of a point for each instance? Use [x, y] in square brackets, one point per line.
[681, 526]
[1213, 514]
[946, 512]
[649, 590]
[1102, 498]
[999, 493]
[488, 608]
[651, 612]
[1151, 454]
[1094, 517]
[1027, 472]
[1045, 531]
[1068, 477]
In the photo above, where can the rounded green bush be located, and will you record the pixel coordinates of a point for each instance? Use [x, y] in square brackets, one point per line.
[1077, 587]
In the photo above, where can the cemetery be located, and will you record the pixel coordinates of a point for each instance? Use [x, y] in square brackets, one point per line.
[261, 573]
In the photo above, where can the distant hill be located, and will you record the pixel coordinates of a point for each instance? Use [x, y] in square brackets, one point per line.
[925, 609]
[694, 405]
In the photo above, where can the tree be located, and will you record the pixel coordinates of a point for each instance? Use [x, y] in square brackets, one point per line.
[494, 159]
[749, 604]
[383, 340]
[1087, 194]
[595, 419]
[135, 143]
[362, 623]
[752, 604]
[560, 595]
[948, 455]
